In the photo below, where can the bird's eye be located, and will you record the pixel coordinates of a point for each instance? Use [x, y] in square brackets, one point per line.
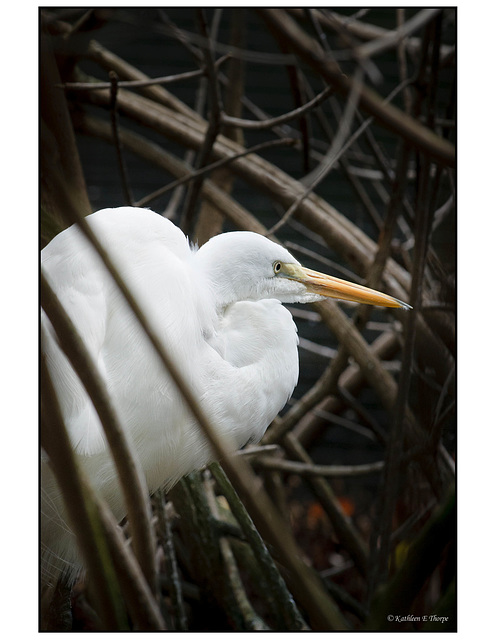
[277, 266]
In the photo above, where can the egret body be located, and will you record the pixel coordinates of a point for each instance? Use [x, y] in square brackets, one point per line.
[219, 313]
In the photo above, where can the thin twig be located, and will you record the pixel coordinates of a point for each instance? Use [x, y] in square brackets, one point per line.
[326, 471]
[114, 81]
[139, 84]
[176, 591]
[258, 450]
[258, 125]
[214, 125]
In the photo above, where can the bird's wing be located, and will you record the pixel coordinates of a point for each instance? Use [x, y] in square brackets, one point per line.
[151, 254]
[73, 274]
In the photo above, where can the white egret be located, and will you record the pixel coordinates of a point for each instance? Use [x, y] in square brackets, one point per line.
[219, 312]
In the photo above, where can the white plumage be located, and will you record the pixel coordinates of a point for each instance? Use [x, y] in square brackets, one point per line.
[218, 310]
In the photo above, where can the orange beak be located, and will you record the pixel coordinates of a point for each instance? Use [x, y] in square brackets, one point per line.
[331, 287]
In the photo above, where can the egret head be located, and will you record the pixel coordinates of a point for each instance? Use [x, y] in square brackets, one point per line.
[247, 266]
